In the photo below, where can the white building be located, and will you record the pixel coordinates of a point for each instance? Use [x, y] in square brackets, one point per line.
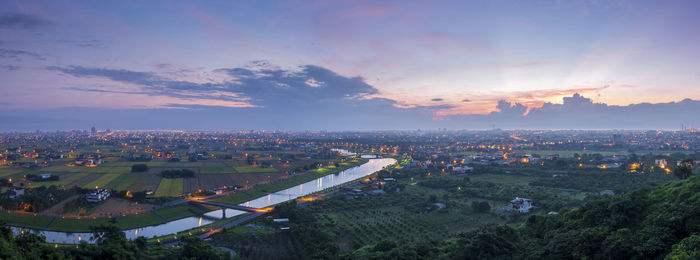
[15, 193]
[97, 195]
[522, 205]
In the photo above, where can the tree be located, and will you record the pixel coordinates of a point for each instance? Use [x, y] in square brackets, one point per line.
[688, 248]
[488, 242]
[481, 207]
[195, 248]
[684, 170]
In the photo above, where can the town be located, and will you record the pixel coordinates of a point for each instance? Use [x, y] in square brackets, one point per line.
[440, 184]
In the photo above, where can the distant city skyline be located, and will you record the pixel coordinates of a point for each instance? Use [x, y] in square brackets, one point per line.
[349, 65]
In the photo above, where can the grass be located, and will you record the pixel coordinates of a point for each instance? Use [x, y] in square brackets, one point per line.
[124, 181]
[102, 181]
[170, 187]
[25, 220]
[250, 169]
[182, 211]
[123, 222]
[259, 191]
[217, 170]
[156, 217]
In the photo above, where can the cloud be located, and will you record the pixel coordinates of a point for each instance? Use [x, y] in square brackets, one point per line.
[268, 97]
[579, 112]
[22, 21]
[15, 54]
[10, 67]
[261, 95]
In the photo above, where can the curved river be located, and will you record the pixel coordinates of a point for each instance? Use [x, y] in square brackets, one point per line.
[328, 181]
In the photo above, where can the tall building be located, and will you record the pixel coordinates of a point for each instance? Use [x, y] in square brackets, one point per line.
[93, 130]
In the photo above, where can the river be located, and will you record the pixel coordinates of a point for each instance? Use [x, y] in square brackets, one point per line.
[328, 181]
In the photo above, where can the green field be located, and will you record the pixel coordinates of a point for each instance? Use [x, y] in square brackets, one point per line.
[25, 220]
[102, 181]
[249, 169]
[62, 181]
[124, 222]
[7, 172]
[217, 170]
[123, 182]
[170, 187]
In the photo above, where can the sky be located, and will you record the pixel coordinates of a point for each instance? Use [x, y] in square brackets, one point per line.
[349, 65]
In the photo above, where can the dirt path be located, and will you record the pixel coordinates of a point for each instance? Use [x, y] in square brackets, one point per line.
[116, 206]
[58, 208]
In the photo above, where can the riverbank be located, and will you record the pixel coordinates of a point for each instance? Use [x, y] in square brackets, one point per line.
[125, 222]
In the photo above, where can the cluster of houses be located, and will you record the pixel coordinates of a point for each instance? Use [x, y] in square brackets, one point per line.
[88, 162]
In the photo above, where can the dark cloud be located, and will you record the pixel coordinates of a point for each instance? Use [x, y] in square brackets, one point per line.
[466, 100]
[15, 54]
[22, 21]
[10, 67]
[142, 78]
[437, 99]
[304, 97]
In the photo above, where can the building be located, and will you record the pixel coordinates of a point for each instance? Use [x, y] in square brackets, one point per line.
[15, 193]
[606, 192]
[661, 163]
[521, 205]
[609, 165]
[97, 195]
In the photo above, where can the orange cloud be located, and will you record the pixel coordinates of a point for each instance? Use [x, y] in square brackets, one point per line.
[531, 99]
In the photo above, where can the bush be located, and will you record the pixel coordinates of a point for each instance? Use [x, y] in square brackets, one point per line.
[139, 168]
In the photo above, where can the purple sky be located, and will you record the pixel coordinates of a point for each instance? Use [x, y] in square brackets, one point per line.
[404, 64]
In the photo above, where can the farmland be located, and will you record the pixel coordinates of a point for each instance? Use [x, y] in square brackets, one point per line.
[169, 187]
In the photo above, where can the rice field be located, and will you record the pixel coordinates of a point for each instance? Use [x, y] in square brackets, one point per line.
[250, 169]
[102, 181]
[169, 187]
[217, 170]
[124, 181]
[63, 179]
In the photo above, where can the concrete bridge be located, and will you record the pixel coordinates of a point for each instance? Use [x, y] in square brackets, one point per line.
[225, 205]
